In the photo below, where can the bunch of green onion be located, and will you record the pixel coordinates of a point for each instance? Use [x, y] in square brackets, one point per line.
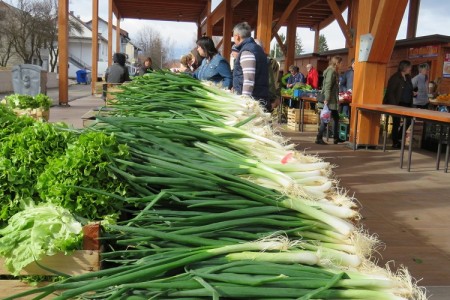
[223, 207]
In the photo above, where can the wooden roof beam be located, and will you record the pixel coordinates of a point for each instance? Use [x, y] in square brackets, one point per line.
[337, 13]
[293, 5]
[280, 43]
[219, 13]
[413, 16]
[385, 33]
[330, 19]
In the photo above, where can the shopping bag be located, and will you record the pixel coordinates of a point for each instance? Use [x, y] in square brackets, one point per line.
[325, 114]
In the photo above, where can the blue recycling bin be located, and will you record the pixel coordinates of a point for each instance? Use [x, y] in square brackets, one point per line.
[82, 76]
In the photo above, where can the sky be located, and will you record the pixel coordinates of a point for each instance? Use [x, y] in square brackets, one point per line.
[433, 19]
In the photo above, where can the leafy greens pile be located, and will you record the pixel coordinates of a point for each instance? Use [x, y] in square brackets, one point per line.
[37, 231]
[23, 157]
[27, 101]
[85, 164]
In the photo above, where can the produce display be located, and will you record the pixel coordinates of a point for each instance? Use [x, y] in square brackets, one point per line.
[26, 101]
[85, 165]
[297, 86]
[346, 96]
[24, 155]
[443, 97]
[212, 204]
[36, 231]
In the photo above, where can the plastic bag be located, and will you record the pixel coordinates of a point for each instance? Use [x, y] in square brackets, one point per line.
[325, 114]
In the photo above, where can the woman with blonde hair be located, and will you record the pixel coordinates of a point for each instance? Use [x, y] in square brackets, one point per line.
[330, 91]
[186, 62]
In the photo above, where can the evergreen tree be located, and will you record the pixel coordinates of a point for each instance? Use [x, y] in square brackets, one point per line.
[298, 46]
[278, 53]
[323, 45]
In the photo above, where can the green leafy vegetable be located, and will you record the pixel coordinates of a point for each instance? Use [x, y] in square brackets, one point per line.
[23, 157]
[85, 164]
[10, 123]
[37, 231]
[26, 101]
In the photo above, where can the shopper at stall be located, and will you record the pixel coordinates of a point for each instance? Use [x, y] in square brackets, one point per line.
[147, 67]
[118, 72]
[330, 92]
[185, 64]
[234, 55]
[250, 73]
[420, 83]
[197, 59]
[400, 92]
[296, 77]
[347, 79]
[346, 84]
[273, 68]
[214, 67]
[312, 78]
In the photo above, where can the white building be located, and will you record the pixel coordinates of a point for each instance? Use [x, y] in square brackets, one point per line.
[80, 47]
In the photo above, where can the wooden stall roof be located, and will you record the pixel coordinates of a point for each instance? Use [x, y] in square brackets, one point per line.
[311, 13]
[163, 10]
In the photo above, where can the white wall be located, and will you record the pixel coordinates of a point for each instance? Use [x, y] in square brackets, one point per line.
[6, 81]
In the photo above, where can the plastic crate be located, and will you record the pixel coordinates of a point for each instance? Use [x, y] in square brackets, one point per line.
[298, 93]
[343, 131]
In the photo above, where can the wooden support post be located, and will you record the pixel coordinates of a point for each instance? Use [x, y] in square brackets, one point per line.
[118, 41]
[110, 32]
[199, 31]
[264, 23]
[291, 36]
[352, 22]
[340, 20]
[227, 29]
[63, 47]
[94, 66]
[219, 44]
[209, 24]
[316, 39]
[370, 76]
[413, 16]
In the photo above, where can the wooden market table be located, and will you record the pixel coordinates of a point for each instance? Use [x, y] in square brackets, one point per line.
[441, 118]
[301, 106]
[302, 101]
[436, 102]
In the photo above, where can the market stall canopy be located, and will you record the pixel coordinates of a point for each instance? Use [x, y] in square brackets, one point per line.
[163, 10]
[311, 13]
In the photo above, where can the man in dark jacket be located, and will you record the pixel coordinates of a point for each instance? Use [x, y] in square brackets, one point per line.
[250, 73]
[347, 80]
[118, 72]
[400, 92]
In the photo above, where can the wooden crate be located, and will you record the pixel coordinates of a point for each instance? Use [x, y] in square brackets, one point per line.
[109, 90]
[78, 262]
[35, 113]
[309, 116]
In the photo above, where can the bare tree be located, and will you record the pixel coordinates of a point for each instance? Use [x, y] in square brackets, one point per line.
[20, 26]
[153, 44]
[31, 26]
[46, 12]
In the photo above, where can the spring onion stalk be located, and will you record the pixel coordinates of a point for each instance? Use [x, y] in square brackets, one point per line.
[300, 257]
